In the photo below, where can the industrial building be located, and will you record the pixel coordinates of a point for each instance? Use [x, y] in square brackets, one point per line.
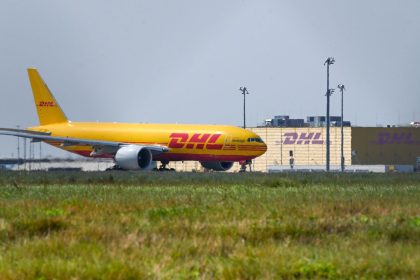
[320, 121]
[307, 146]
[57, 164]
[311, 121]
[284, 121]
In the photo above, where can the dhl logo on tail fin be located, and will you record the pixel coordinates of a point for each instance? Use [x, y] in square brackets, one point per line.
[49, 112]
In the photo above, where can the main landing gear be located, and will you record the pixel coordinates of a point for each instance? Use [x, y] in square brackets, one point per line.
[115, 167]
[163, 166]
[244, 165]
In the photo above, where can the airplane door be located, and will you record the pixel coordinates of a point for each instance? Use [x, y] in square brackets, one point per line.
[228, 140]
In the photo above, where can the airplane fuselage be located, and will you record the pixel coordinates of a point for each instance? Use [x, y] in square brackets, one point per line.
[185, 142]
[135, 146]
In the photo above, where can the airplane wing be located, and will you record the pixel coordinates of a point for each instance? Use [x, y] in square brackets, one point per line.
[98, 146]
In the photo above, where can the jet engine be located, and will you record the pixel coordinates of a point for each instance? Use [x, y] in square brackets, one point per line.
[133, 157]
[217, 165]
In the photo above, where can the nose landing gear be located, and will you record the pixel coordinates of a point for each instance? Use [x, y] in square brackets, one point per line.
[244, 165]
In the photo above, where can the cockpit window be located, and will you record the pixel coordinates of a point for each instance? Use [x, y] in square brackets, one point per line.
[258, 140]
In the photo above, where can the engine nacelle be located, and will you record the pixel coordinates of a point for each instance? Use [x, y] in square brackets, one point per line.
[217, 165]
[133, 157]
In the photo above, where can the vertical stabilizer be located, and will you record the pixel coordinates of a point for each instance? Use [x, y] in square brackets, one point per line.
[49, 112]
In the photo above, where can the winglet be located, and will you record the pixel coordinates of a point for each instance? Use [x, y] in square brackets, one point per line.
[49, 112]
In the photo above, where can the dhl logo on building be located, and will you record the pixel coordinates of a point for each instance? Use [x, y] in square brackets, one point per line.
[291, 138]
[395, 138]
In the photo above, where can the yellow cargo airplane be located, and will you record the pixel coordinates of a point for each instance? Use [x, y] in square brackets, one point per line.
[136, 146]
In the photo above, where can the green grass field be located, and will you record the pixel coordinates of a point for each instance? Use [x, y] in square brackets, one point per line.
[124, 225]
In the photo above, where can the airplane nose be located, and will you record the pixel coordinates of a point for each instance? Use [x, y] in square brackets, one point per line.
[265, 148]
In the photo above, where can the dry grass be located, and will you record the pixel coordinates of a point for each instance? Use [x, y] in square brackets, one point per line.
[187, 226]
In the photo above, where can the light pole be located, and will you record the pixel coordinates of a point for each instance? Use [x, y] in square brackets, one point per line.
[342, 88]
[328, 62]
[244, 91]
[24, 154]
[18, 149]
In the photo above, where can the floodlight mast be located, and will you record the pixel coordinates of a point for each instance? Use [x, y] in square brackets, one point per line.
[18, 149]
[342, 88]
[328, 62]
[244, 91]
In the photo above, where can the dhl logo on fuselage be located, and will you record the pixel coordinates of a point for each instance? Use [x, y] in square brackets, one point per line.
[197, 140]
[46, 104]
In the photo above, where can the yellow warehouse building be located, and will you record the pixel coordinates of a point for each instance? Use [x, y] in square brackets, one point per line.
[362, 146]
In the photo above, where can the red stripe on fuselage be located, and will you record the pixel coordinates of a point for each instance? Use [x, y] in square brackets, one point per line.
[179, 157]
[197, 157]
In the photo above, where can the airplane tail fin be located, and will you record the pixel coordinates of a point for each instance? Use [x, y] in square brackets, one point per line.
[49, 112]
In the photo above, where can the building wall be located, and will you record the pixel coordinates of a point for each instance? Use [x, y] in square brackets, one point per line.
[83, 164]
[308, 145]
[396, 145]
[185, 166]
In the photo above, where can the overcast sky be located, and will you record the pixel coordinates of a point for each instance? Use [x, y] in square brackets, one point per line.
[184, 61]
